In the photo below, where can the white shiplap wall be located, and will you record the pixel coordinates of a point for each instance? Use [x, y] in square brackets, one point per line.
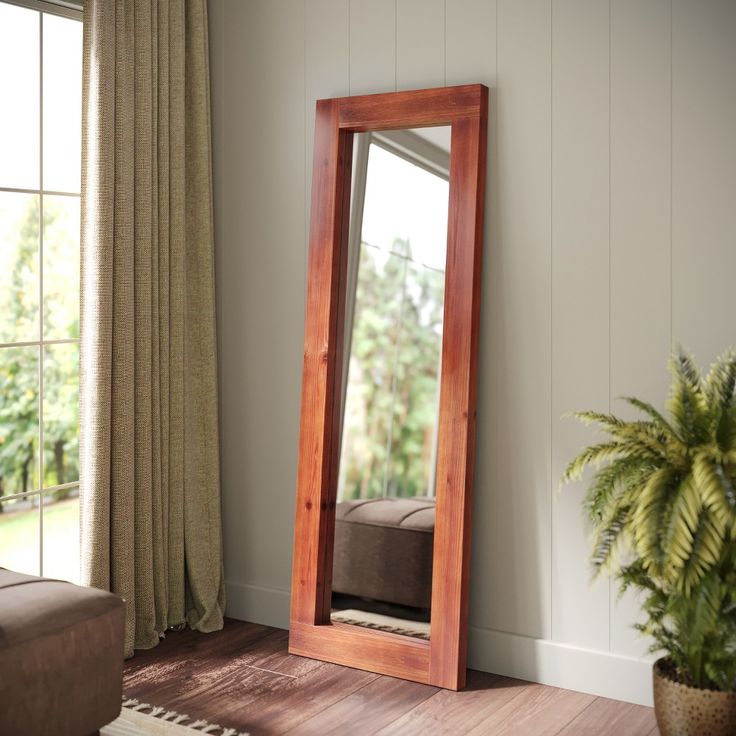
[611, 230]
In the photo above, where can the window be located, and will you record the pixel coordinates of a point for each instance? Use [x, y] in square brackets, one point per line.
[394, 314]
[40, 165]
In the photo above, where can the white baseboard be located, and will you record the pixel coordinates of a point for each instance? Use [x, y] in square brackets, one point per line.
[259, 605]
[561, 665]
[538, 660]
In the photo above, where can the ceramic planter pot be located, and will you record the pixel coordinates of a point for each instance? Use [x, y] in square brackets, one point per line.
[689, 711]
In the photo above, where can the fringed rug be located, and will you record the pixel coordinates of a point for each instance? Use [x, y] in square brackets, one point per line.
[142, 719]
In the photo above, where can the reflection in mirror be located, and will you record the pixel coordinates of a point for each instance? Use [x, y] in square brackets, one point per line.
[384, 527]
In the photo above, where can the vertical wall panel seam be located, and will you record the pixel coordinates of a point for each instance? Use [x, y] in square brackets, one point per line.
[350, 78]
[396, 45]
[551, 319]
[610, 253]
[444, 36]
[305, 227]
[306, 208]
[672, 251]
[496, 70]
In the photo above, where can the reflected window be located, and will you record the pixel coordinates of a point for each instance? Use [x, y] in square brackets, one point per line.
[394, 317]
[40, 163]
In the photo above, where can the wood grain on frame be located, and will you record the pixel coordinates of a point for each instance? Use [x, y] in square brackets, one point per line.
[315, 518]
[441, 661]
[365, 649]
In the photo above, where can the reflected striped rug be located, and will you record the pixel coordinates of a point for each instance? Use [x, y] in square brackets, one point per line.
[369, 620]
[142, 719]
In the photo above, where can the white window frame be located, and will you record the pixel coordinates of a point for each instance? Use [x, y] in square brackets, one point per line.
[73, 11]
[64, 8]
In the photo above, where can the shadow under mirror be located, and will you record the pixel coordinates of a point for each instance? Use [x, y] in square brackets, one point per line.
[385, 516]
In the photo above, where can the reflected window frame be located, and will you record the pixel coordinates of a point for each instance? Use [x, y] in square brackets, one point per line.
[39, 493]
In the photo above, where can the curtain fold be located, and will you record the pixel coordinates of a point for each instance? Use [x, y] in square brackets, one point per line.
[149, 453]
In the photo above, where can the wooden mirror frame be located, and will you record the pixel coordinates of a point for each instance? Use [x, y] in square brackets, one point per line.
[441, 660]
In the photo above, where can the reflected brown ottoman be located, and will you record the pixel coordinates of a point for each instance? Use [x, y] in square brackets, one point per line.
[383, 550]
[61, 657]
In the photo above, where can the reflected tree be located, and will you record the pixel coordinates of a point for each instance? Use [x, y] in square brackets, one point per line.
[391, 402]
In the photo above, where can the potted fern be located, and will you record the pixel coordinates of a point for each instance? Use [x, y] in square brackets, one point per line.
[662, 503]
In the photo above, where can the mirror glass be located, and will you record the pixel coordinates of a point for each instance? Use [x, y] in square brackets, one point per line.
[384, 527]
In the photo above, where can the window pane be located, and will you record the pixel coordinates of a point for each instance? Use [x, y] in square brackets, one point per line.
[18, 419]
[20, 535]
[404, 202]
[60, 267]
[19, 216]
[62, 103]
[391, 403]
[19, 97]
[416, 403]
[61, 535]
[61, 414]
[371, 370]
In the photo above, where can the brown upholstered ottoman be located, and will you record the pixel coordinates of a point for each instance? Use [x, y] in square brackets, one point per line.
[61, 657]
[383, 550]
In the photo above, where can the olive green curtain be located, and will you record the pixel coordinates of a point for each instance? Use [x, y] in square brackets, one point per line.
[150, 488]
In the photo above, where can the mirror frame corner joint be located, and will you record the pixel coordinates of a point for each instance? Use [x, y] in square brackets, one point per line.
[441, 661]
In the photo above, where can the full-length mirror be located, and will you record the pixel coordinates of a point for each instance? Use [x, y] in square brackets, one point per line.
[394, 305]
[381, 561]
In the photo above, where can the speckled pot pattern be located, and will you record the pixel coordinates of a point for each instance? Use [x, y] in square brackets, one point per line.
[687, 711]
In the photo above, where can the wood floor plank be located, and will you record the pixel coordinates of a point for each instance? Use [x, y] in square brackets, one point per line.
[240, 677]
[538, 710]
[276, 706]
[367, 710]
[606, 717]
[178, 646]
[243, 677]
[449, 713]
[196, 670]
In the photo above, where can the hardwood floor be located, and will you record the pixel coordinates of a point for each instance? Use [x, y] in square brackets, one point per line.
[243, 677]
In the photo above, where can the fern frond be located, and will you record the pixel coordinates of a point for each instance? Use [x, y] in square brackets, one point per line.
[684, 369]
[650, 511]
[606, 537]
[687, 403]
[646, 436]
[677, 536]
[593, 455]
[607, 421]
[620, 474]
[726, 432]
[715, 488]
[721, 380]
[649, 410]
[706, 546]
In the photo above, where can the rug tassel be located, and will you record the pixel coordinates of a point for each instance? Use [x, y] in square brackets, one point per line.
[171, 716]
